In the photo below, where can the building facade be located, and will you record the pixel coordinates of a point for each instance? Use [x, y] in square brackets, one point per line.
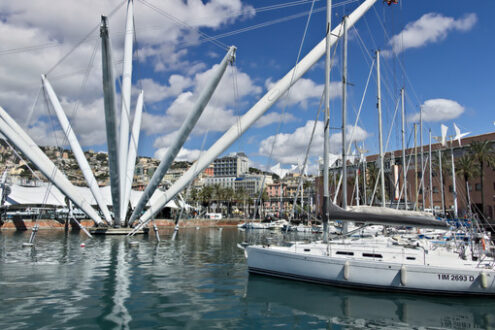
[234, 165]
[417, 196]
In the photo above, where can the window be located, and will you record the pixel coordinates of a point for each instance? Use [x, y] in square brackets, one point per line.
[410, 258]
[435, 189]
[477, 186]
[372, 255]
[345, 253]
[451, 189]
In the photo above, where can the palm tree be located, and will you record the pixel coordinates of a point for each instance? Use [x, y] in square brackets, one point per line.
[205, 195]
[483, 154]
[373, 174]
[465, 166]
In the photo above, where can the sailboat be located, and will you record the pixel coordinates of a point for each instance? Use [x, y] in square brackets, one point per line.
[381, 263]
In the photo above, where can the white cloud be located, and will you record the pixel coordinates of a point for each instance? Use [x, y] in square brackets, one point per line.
[438, 110]
[25, 24]
[290, 148]
[218, 115]
[430, 28]
[274, 117]
[156, 92]
[304, 91]
[189, 155]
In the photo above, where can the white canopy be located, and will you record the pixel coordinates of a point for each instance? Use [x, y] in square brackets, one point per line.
[50, 195]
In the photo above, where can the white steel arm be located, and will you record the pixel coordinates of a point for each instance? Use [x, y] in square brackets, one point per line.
[133, 146]
[252, 115]
[76, 148]
[183, 133]
[126, 106]
[30, 149]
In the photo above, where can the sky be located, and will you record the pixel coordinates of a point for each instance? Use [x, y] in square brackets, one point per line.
[440, 51]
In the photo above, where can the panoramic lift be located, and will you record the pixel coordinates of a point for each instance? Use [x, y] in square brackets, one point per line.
[122, 148]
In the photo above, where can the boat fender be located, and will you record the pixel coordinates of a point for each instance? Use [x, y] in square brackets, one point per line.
[403, 275]
[484, 280]
[346, 270]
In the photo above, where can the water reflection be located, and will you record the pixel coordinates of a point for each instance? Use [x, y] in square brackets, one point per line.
[352, 308]
[198, 280]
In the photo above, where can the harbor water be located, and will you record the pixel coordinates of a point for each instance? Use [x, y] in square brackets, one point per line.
[198, 280]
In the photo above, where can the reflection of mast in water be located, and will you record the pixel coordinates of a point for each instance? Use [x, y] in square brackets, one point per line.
[120, 282]
[348, 307]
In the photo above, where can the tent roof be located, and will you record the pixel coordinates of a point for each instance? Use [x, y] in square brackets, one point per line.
[50, 195]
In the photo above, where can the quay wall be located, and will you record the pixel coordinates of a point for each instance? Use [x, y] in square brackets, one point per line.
[26, 224]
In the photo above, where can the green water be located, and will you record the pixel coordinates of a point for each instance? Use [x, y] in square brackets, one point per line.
[199, 280]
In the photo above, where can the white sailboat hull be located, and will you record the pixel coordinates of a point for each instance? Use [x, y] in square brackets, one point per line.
[341, 271]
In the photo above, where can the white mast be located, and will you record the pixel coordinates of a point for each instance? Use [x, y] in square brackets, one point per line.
[126, 105]
[30, 149]
[431, 176]
[326, 134]
[380, 138]
[344, 122]
[453, 177]
[404, 166]
[110, 119]
[133, 147]
[252, 115]
[441, 178]
[422, 184]
[77, 150]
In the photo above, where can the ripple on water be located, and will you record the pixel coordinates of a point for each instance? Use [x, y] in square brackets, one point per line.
[199, 280]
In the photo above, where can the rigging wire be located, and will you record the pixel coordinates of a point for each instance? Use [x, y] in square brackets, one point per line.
[19, 50]
[306, 156]
[30, 114]
[184, 24]
[285, 108]
[80, 42]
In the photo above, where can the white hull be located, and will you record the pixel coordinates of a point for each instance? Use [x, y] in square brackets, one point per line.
[315, 265]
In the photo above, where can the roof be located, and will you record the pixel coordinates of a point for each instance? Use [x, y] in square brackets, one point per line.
[50, 195]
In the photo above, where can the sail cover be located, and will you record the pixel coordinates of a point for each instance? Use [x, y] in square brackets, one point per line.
[384, 218]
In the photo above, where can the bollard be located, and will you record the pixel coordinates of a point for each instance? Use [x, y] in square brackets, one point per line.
[31, 238]
[155, 228]
[33, 233]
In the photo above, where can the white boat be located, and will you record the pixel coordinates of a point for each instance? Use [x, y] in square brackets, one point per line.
[380, 263]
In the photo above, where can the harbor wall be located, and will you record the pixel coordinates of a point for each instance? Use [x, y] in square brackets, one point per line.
[18, 223]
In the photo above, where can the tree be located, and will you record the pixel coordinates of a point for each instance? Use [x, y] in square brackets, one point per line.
[373, 173]
[465, 166]
[482, 153]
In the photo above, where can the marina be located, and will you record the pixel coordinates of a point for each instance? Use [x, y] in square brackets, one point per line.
[199, 280]
[196, 178]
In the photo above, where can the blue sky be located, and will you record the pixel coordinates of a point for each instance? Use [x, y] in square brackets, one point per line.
[443, 46]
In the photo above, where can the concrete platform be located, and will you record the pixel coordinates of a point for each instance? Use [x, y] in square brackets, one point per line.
[117, 231]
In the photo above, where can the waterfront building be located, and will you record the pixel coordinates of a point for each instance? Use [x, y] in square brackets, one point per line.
[416, 195]
[224, 182]
[233, 165]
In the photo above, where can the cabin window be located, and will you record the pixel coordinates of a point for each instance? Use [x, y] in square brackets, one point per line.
[307, 250]
[345, 253]
[372, 255]
[411, 258]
